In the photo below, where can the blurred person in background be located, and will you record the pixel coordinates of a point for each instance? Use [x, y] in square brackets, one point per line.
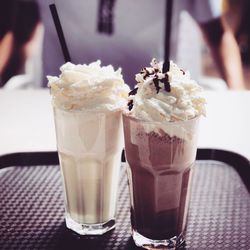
[21, 35]
[243, 31]
[6, 34]
[224, 48]
[129, 33]
[209, 18]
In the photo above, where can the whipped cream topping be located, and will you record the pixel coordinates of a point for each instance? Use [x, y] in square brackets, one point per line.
[88, 87]
[170, 97]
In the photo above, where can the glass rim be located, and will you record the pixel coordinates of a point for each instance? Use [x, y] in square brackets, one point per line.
[89, 111]
[171, 123]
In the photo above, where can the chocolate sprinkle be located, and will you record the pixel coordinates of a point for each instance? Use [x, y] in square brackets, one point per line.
[145, 72]
[130, 105]
[165, 69]
[133, 92]
[183, 72]
[156, 83]
[153, 71]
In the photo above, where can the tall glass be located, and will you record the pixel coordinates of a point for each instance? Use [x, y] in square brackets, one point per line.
[89, 147]
[160, 159]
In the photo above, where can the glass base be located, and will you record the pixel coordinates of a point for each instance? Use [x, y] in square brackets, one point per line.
[146, 243]
[89, 229]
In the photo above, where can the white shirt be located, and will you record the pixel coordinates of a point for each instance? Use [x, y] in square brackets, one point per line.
[138, 32]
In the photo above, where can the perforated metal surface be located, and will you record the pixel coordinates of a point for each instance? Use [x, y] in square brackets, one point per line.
[32, 211]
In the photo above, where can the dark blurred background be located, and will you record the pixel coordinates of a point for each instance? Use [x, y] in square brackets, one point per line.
[237, 13]
[125, 34]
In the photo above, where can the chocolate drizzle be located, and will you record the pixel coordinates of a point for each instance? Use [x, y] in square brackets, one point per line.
[166, 68]
[164, 80]
[146, 72]
[159, 76]
[183, 72]
[133, 92]
[156, 78]
[130, 105]
[156, 83]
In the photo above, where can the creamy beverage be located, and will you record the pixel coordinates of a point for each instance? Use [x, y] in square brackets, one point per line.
[90, 156]
[160, 129]
[87, 101]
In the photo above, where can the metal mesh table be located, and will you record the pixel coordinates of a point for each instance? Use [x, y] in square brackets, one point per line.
[32, 209]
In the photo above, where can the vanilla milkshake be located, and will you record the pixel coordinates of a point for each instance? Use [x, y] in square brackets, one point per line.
[87, 101]
[160, 127]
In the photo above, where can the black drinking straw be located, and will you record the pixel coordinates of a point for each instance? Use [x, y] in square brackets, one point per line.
[169, 7]
[59, 31]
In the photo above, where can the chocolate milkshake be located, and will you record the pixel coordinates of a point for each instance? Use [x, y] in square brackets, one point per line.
[87, 101]
[160, 143]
